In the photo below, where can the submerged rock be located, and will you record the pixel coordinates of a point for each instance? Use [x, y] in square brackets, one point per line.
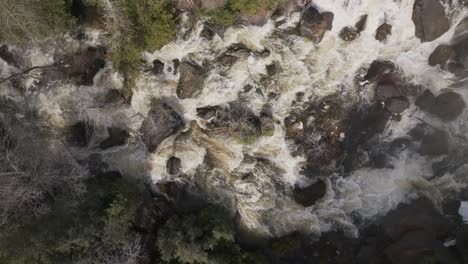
[173, 166]
[397, 105]
[383, 31]
[429, 19]
[447, 106]
[117, 137]
[386, 91]
[309, 195]
[441, 55]
[314, 24]
[162, 122]
[191, 80]
[434, 142]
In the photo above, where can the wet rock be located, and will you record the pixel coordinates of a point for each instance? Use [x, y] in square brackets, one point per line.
[83, 65]
[386, 91]
[208, 112]
[176, 63]
[419, 246]
[158, 67]
[425, 101]
[117, 137]
[450, 163]
[380, 161]
[434, 143]
[173, 166]
[80, 134]
[273, 69]
[313, 24]
[162, 122]
[308, 196]
[397, 105]
[191, 80]
[451, 206]
[258, 19]
[462, 242]
[429, 19]
[379, 68]
[8, 56]
[441, 55]
[210, 29]
[418, 215]
[383, 31]
[349, 34]
[361, 24]
[399, 144]
[184, 197]
[448, 106]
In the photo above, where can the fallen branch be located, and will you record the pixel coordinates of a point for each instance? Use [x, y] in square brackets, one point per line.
[27, 71]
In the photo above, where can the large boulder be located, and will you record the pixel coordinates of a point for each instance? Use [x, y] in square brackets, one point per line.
[162, 122]
[309, 195]
[429, 19]
[191, 80]
[397, 105]
[379, 68]
[117, 137]
[83, 65]
[314, 24]
[447, 106]
[441, 55]
[434, 143]
[386, 91]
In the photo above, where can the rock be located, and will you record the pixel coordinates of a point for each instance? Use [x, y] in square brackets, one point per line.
[418, 215]
[349, 34]
[210, 29]
[383, 31]
[191, 80]
[462, 242]
[158, 67]
[313, 25]
[441, 55]
[361, 24]
[451, 206]
[8, 56]
[434, 143]
[380, 161]
[173, 166]
[386, 91]
[185, 5]
[257, 19]
[397, 105]
[83, 65]
[117, 137]
[80, 134]
[419, 246]
[184, 197]
[161, 122]
[209, 5]
[448, 106]
[429, 19]
[379, 68]
[308, 196]
[273, 69]
[425, 101]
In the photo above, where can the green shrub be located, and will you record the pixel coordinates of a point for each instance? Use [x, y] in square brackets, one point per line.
[203, 238]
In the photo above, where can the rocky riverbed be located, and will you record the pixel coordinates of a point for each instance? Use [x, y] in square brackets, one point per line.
[334, 128]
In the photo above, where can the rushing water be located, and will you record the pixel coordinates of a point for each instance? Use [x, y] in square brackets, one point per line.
[263, 201]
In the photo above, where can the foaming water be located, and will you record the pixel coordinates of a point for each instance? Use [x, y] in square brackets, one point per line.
[264, 200]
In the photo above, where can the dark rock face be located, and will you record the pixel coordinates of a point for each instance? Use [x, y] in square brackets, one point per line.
[386, 91]
[191, 80]
[462, 242]
[378, 69]
[447, 106]
[383, 31]
[429, 19]
[441, 55]
[117, 137]
[162, 122]
[80, 134]
[397, 105]
[8, 56]
[313, 24]
[158, 67]
[310, 195]
[434, 143]
[84, 64]
[173, 166]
